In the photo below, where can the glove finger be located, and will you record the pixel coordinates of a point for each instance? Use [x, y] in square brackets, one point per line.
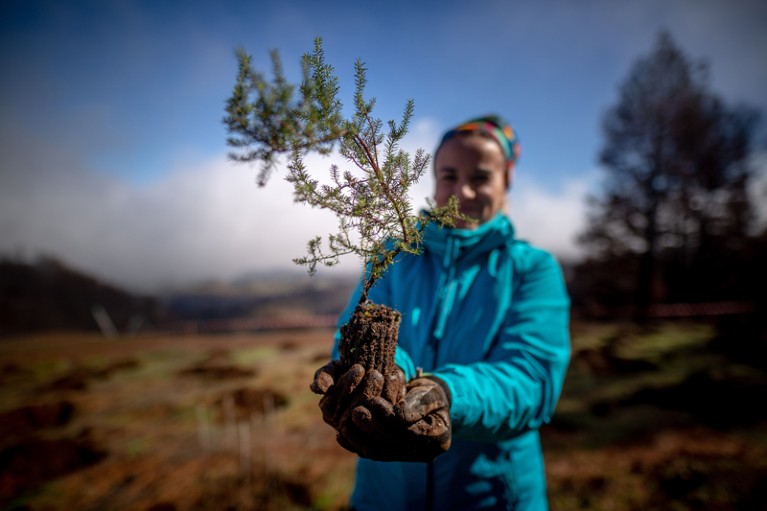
[325, 377]
[432, 381]
[394, 387]
[436, 425]
[433, 434]
[376, 440]
[337, 397]
[328, 404]
[349, 381]
[343, 442]
[368, 389]
[373, 384]
[420, 382]
[374, 418]
[353, 439]
[420, 401]
[370, 446]
[363, 419]
[381, 409]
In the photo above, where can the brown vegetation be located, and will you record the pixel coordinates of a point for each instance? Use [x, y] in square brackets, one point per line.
[636, 427]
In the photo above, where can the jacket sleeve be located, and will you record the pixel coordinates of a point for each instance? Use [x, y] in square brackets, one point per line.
[516, 388]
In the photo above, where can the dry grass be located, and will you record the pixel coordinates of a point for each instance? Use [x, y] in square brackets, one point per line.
[190, 423]
[228, 422]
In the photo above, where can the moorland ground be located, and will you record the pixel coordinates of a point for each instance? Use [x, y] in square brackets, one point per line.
[654, 417]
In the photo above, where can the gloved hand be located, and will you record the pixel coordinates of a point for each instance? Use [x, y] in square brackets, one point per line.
[416, 428]
[344, 391]
[326, 376]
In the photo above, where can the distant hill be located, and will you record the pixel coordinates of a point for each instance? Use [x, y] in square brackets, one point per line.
[47, 295]
[261, 296]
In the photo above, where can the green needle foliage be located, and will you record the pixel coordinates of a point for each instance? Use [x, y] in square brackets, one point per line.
[268, 119]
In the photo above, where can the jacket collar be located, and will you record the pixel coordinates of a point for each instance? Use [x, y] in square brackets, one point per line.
[454, 242]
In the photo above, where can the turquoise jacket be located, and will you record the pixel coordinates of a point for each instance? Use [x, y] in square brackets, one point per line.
[489, 315]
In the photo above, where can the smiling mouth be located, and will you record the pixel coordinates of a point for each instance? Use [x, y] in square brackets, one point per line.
[472, 213]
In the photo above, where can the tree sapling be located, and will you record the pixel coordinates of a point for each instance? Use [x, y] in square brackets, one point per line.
[267, 119]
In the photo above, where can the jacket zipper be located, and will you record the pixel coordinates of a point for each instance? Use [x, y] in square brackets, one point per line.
[430, 467]
[430, 486]
[438, 323]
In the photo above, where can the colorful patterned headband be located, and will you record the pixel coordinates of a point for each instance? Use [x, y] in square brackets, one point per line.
[495, 127]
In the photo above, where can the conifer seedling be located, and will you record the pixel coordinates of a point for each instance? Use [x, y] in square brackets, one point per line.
[268, 119]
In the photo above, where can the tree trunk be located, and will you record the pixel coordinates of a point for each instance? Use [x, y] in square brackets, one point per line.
[647, 265]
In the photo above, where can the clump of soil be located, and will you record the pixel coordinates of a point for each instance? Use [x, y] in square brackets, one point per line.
[217, 367]
[162, 506]
[76, 379]
[80, 377]
[319, 357]
[28, 419]
[687, 469]
[34, 461]
[217, 372]
[11, 370]
[248, 400]
[289, 345]
[118, 365]
[708, 478]
[604, 361]
[716, 398]
[271, 491]
[370, 338]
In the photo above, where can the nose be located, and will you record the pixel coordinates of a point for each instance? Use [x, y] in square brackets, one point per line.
[465, 191]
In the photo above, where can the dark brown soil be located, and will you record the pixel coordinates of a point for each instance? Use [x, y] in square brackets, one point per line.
[35, 460]
[710, 480]
[80, 377]
[370, 338]
[28, 419]
[10, 370]
[76, 379]
[651, 449]
[217, 366]
[154, 439]
[217, 372]
[690, 469]
[248, 401]
[289, 345]
[272, 491]
[162, 506]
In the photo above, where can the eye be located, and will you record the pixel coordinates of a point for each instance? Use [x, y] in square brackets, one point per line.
[449, 178]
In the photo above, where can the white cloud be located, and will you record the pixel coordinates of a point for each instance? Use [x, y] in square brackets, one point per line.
[208, 221]
[551, 219]
[205, 221]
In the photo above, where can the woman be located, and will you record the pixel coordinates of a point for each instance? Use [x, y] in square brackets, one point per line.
[486, 316]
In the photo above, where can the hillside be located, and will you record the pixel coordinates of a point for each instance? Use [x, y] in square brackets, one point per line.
[48, 295]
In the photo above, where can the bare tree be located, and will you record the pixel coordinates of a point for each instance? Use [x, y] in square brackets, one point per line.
[675, 201]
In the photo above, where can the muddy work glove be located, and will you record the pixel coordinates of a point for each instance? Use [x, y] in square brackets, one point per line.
[416, 428]
[342, 391]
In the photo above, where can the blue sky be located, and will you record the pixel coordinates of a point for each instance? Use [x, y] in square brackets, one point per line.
[112, 149]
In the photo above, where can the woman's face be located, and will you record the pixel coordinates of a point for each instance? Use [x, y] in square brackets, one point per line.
[473, 168]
